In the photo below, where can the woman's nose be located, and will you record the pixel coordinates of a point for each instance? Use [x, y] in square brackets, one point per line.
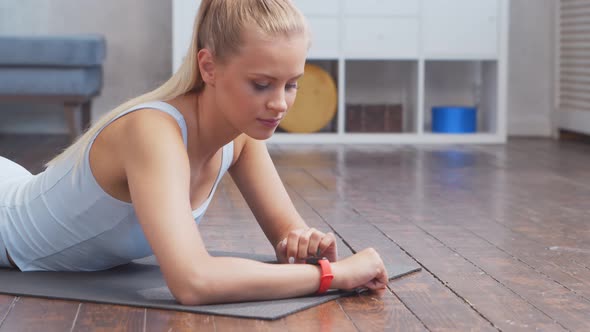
[278, 103]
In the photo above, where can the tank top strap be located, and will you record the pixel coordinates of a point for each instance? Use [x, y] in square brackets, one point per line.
[157, 105]
[228, 156]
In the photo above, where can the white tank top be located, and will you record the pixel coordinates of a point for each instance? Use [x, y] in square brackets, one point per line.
[49, 222]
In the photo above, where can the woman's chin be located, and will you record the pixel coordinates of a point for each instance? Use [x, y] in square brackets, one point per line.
[260, 135]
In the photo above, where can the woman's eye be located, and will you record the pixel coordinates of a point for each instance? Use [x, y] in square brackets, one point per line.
[264, 86]
[260, 86]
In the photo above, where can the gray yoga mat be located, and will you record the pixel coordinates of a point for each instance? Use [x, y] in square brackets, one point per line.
[141, 284]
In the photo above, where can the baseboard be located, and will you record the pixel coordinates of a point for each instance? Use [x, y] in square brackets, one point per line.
[578, 121]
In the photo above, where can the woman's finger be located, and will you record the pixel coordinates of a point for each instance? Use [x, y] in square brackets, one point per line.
[304, 243]
[281, 251]
[293, 245]
[380, 281]
[329, 240]
[314, 243]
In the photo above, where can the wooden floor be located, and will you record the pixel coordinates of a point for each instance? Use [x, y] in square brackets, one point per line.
[502, 233]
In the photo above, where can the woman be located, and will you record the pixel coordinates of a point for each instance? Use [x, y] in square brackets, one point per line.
[135, 183]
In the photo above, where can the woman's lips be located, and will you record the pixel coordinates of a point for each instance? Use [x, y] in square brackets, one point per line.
[270, 123]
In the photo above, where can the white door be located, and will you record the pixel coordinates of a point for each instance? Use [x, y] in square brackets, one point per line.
[461, 28]
[573, 110]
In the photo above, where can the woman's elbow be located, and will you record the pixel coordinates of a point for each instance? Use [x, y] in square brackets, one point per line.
[194, 292]
[188, 298]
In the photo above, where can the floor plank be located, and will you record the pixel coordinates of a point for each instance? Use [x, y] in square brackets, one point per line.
[386, 313]
[544, 186]
[40, 315]
[326, 317]
[537, 256]
[6, 304]
[437, 307]
[103, 317]
[223, 323]
[556, 301]
[172, 321]
[499, 304]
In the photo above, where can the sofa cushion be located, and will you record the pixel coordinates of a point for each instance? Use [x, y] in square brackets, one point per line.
[59, 51]
[21, 81]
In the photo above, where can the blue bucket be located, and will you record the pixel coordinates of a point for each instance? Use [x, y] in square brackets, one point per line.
[454, 119]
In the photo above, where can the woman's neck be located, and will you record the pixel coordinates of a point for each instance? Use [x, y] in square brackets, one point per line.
[212, 130]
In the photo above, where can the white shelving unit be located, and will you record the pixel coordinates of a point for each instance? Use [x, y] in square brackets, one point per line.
[415, 53]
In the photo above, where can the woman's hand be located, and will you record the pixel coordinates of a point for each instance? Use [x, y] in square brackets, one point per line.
[304, 243]
[365, 269]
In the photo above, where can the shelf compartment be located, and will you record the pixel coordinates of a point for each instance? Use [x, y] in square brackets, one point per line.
[381, 96]
[462, 83]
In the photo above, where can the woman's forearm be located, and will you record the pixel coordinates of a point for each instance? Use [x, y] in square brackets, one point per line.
[227, 279]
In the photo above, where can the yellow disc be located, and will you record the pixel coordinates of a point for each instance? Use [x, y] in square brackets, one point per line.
[315, 104]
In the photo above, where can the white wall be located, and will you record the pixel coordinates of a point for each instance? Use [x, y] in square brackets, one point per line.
[138, 34]
[531, 67]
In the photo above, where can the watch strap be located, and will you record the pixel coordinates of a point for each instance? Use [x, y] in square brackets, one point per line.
[326, 277]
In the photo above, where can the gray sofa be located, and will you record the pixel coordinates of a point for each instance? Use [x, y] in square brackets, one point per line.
[53, 69]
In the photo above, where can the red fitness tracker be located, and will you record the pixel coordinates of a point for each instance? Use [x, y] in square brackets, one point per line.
[327, 276]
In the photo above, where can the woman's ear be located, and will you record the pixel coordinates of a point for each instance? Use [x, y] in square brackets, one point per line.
[207, 66]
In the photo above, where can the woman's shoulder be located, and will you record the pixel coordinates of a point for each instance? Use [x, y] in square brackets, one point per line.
[149, 125]
[146, 133]
[140, 124]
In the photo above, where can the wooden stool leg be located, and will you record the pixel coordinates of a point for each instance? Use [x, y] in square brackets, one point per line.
[70, 119]
[86, 115]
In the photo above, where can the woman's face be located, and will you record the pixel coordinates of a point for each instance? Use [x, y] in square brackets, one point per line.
[255, 88]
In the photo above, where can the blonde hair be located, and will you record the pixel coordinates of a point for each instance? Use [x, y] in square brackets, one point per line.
[218, 27]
